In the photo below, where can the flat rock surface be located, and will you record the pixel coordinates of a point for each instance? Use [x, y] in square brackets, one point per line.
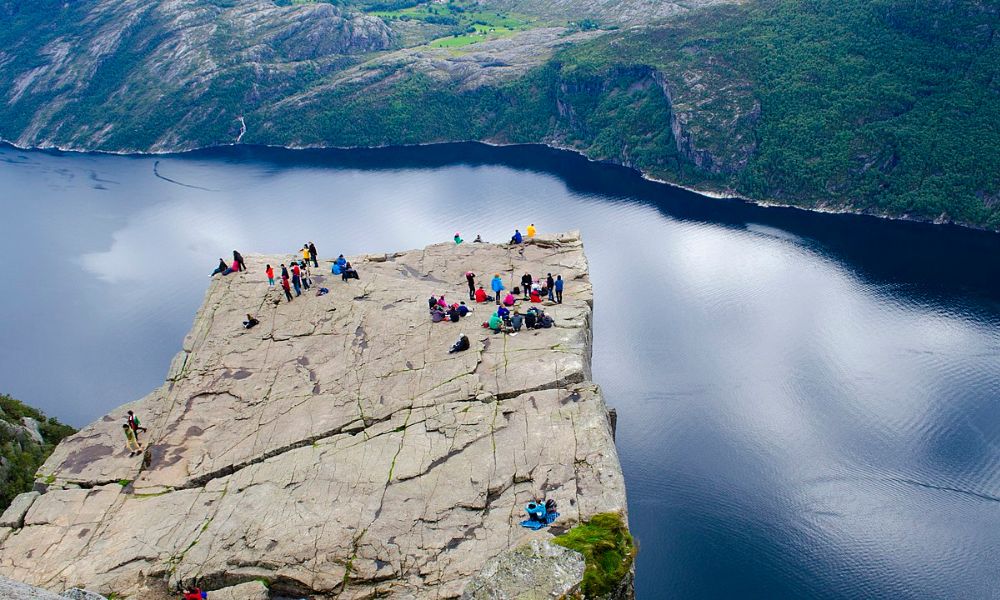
[336, 449]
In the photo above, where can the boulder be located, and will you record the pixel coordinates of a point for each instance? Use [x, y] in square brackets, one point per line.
[13, 517]
[253, 590]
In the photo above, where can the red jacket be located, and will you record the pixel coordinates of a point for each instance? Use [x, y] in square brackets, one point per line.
[284, 283]
[194, 595]
[270, 273]
[480, 295]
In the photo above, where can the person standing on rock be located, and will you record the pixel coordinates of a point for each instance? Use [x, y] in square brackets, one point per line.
[559, 288]
[132, 444]
[531, 231]
[305, 252]
[296, 280]
[285, 286]
[238, 259]
[550, 285]
[526, 285]
[284, 271]
[270, 275]
[314, 255]
[497, 285]
[470, 277]
[133, 422]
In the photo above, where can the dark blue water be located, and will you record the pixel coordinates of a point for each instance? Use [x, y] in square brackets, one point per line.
[809, 404]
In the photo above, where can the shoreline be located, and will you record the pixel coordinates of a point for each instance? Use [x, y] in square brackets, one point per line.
[706, 193]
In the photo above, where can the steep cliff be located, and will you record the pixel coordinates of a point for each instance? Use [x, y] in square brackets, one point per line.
[337, 449]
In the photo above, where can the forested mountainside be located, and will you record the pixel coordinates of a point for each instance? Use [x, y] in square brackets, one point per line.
[889, 107]
[27, 438]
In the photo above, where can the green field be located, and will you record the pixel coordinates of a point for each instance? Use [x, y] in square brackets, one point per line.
[469, 24]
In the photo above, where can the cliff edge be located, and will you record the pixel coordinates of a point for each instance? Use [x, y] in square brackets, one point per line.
[337, 449]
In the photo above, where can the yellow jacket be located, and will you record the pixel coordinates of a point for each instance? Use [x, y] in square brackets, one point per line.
[531, 231]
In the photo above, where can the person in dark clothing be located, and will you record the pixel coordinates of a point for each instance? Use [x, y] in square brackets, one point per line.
[286, 287]
[530, 318]
[453, 314]
[220, 269]
[312, 253]
[239, 260]
[284, 271]
[526, 284]
[251, 322]
[349, 273]
[516, 321]
[463, 309]
[550, 285]
[432, 302]
[296, 280]
[460, 345]
[470, 277]
[559, 288]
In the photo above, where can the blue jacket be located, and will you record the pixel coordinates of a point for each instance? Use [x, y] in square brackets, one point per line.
[517, 237]
[496, 284]
[559, 285]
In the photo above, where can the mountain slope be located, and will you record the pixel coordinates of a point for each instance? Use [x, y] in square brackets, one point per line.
[888, 107]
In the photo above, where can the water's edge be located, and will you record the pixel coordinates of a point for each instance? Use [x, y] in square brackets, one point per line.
[727, 194]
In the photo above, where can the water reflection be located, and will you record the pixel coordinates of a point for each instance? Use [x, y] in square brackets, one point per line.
[808, 403]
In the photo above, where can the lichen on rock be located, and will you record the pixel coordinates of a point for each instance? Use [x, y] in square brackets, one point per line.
[337, 449]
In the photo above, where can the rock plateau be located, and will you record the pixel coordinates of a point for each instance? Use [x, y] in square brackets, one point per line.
[337, 449]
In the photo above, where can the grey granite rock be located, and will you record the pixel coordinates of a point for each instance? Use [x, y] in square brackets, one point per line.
[14, 515]
[337, 449]
[537, 570]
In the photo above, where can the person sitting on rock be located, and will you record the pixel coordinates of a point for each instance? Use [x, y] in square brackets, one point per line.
[503, 312]
[508, 300]
[517, 238]
[437, 314]
[481, 295]
[478, 240]
[458, 239]
[463, 309]
[350, 273]
[194, 593]
[251, 322]
[222, 268]
[530, 318]
[461, 344]
[441, 302]
[495, 323]
[516, 320]
[432, 302]
[453, 314]
[536, 295]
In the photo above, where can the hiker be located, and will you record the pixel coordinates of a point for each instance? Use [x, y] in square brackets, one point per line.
[341, 261]
[478, 240]
[502, 312]
[284, 271]
[432, 302]
[453, 314]
[442, 303]
[305, 275]
[437, 314]
[296, 279]
[314, 255]
[238, 261]
[526, 284]
[133, 422]
[559, 288]
[516, 320]
[531, 230]
[536, 295]
[517, 238]
[508, 300]
[350, 273]
[470, 277]
[463, 309]
[461, 344]
[251, 322]
[550, 285]
[458, 239]
[495, 323]
[270, 275]
[530, 318]
[222, 268]
[133, 445]
[497, 286]
[286, 288]
[194, 594]
[481, 295]
[305, 252]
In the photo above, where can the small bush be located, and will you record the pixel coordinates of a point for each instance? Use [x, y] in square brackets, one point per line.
[608, 549]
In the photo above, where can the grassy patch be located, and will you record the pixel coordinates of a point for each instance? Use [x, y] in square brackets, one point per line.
[607, 546]
[468, 24]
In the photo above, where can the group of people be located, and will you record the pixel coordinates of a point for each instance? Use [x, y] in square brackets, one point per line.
[299, 277]
[442, 311]
[224, 269]
[343, 267]
[532, 289]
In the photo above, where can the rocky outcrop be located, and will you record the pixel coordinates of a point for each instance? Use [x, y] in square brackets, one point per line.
[337, 449]
[14, 590]
[537, 569]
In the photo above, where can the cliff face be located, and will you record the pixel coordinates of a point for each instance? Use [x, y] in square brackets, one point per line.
[336, 449]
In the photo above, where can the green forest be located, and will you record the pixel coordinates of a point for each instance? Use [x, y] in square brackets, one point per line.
[20, 455]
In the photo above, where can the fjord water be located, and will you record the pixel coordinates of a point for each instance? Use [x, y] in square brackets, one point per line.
[809, 404]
